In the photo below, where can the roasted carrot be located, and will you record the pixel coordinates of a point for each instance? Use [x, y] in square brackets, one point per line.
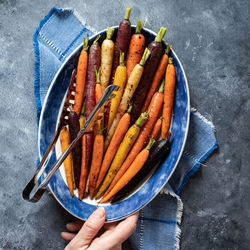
[154, 110]
[156, 50]
[157, 128]
[98, 94]
[114, 144]
[74, 128]
[81, 76]
[130, 88]
[107, 52]
[94, 60]
[161, 70]
[96, 162]
[135, 167]
[81, 119]
[84, 170]
[136, 48]
[168, 98]
[68, 162]
[120, 80]
[122, 41]
[122, 152]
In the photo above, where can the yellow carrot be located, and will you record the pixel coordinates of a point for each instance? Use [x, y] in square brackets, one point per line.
[122, 152]
[107, 52]
[119, 80]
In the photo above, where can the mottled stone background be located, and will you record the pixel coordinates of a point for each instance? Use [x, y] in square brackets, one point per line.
[212, 41]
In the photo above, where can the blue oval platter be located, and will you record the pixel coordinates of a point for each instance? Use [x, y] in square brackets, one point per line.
[151, 187]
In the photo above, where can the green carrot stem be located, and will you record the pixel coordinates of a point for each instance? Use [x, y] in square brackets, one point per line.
[138, 26]
[83, 108]
[160, 35]
[97, 73]
[145, 56]
[142, 119]
[110, 33]
[122, 58]
[129, 108]
[150, 143]
[85, 43]
[96, 40]
[127, 13]
[168, 49]
[161, 89]
[170, 60]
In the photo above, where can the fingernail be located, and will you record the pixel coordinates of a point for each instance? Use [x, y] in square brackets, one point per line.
[99, 213]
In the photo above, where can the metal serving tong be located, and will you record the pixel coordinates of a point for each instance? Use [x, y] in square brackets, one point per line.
[36, 195]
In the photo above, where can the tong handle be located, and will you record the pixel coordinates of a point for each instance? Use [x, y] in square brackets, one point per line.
[86, 129]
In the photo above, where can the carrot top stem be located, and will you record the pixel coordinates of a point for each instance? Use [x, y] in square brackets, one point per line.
[97, 73]
[129, 108]
[110, 33]
[160, 35]
[85, 43]
[161, 89]
[142, 119]
[122, 59]
[83, 108]
[168, 48]
[127, 13]
[170, 60]
[101, 128]
[139, 27]
[145, 56]
[96, 40]
[150, 143]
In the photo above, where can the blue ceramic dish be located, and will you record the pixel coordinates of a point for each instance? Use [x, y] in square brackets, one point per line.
[153, 185]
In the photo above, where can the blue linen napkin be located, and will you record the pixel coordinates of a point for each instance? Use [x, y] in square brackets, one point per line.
[57, 35]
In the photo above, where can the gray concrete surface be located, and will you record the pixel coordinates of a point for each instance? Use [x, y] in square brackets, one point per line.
[212, 41]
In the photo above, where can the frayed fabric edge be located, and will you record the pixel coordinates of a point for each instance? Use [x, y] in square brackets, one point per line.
[203, 118]
[178, 216]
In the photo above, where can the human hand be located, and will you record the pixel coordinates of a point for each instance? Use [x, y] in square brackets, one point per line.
[95, 235]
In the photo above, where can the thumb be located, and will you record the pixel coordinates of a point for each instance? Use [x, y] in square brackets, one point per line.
[91, 227]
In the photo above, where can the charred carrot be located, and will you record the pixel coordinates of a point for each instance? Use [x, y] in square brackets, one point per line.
[161, 70]
[122, 152]
[168, 98]
[156, 50]
[81, 76]
[154, 110]
[96, 162]
[68, 162]
[120, 80]
[136, 48]
[114, 144]
[135, 167]
[107, 52]
[122, 41]
[130, 88]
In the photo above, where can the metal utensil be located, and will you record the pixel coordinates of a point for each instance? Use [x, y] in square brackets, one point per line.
[36, 195]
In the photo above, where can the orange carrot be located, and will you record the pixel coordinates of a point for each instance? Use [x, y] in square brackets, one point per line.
[135, 167]
[114, 144]
[156, 129]
[157, 78]
[98, 94]
[96, 162]
[154, 110]
[68, 162]
[168, 98]
[84, 170]
[136, 48]
[81, 76]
